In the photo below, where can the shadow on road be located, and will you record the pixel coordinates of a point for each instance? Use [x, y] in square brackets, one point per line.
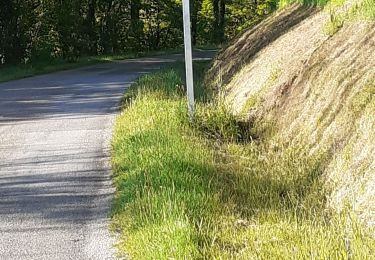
[55, 184]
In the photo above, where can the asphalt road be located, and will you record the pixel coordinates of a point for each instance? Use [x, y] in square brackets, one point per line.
[55, 185]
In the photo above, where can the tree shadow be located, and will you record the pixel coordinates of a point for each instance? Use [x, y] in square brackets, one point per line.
[67, 180]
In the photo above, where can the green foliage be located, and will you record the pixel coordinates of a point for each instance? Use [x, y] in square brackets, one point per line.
[17, 26]
[243, 14]
[182, 194]
[31, 30]
[34, 29]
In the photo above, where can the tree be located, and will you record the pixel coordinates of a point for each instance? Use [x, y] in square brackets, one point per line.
[196, 7]
[219, 7]
[136, 25]
[48, 29]
[17, 21]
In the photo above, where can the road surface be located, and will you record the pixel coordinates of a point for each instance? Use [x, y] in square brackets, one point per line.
[55, 185]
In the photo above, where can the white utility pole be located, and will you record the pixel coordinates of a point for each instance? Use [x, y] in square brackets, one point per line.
[188, 57]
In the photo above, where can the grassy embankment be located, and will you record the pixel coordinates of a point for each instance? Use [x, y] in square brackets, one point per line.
[213, 188]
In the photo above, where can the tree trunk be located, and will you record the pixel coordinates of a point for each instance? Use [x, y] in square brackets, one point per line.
[92, 27]
[221, 23]
[196, 5]
[10, 42]
[136, 25]
[219, 20]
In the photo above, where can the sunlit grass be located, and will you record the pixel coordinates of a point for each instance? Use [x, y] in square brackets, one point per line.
[200, 190]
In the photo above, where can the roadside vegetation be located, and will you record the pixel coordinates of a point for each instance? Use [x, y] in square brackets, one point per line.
[215, 187]
[48, 65]
[12, 72]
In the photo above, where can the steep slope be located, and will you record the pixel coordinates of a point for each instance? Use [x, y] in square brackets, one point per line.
[306, 77]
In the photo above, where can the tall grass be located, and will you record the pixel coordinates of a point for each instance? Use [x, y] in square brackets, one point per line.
[194, 190]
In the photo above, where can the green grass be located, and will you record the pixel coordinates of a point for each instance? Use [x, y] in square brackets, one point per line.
[365, 10]
[11, 72]
[43, 66]
[200, 190]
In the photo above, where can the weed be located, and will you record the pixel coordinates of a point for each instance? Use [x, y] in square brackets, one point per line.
[335, 23]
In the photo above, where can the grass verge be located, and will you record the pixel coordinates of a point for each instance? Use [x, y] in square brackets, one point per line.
[43, 66]
[12, 72]
[202, 190]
